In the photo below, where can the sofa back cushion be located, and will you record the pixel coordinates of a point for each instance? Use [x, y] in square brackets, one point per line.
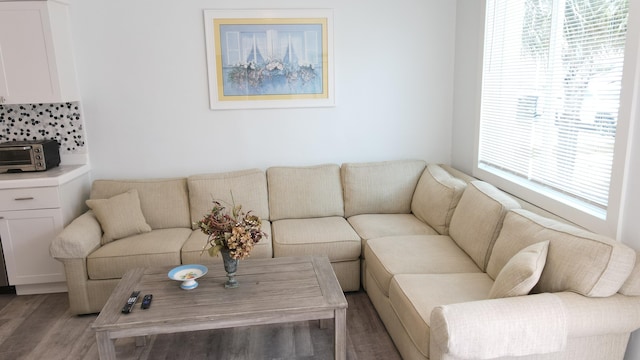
[477, 219]
[578, 260]
[436, 197]
[384, 187]
[164, 202]
[246, 187]
[305, 192]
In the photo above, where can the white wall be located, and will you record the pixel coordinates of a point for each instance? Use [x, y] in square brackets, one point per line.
[630, 226]
[142, 72]
[467, 81]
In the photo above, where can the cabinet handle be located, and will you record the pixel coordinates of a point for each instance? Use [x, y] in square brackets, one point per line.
[2, 99]
[23, 198]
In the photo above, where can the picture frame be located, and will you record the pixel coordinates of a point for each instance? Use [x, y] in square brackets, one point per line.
[270, 58]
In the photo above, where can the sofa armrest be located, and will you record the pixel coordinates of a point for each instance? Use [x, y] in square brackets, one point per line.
[517, 326]
[78, 239]
[593, 316]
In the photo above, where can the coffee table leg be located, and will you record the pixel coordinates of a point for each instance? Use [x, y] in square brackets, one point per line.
[106, 346]
[340, 340]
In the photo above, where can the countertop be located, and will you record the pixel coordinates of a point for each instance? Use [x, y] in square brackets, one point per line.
[53, 177]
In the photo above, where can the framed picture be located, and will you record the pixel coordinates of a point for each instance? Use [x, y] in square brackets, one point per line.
[269, 58]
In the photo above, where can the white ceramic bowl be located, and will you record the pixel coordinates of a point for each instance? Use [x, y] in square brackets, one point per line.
[188, 275]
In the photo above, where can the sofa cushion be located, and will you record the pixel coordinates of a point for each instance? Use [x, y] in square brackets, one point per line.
[414, 296]
[156, 248]
[578, 260]
[384, 187]
[305, 192]
[521, 273]
[246, 187]
[477, 219]
[631, 286]
[192, 248]
[164, 202]
[119, 216]
[330, 236]
[436, 197]
[415, 254]
[371, 226]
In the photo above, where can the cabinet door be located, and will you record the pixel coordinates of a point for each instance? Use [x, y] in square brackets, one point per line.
[35, 51]
[26, 237]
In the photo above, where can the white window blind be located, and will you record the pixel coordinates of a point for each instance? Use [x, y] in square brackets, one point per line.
[550, 95]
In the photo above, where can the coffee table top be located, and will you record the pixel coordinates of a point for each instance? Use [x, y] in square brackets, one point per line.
[271, 291]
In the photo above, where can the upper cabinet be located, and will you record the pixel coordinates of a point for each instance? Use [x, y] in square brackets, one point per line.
[36, 57]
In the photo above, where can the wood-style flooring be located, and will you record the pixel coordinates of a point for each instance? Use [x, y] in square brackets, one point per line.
[41, 327]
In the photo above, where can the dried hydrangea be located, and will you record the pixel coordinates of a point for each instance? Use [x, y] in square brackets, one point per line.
[237, 232]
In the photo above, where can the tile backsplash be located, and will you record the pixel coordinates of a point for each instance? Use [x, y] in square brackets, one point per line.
[61, 121]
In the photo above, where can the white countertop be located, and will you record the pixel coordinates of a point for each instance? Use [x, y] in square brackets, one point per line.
[53, 177]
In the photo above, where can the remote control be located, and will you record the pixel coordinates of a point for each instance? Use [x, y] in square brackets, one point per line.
[130, 302]
[146, 301]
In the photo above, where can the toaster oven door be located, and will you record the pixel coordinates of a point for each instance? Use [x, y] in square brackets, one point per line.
[16, 156]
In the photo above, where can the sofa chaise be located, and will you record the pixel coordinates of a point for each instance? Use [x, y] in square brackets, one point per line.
[455, 268]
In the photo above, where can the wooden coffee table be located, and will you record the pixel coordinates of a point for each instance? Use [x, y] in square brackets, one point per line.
[271, 291]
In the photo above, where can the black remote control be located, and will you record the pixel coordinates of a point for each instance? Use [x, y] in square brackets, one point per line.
[130, 302]
[146, 301]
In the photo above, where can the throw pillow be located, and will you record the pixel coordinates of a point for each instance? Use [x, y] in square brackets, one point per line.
[119, 216]
[522, 272]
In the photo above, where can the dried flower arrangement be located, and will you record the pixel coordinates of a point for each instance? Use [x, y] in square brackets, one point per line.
[236, 232]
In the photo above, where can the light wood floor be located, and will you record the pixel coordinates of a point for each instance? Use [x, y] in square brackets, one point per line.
[40, 327]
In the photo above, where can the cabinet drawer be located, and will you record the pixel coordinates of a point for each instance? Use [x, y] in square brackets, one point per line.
[29, 198]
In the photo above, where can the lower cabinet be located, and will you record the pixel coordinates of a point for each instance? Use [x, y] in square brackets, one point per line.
[26, 236]
[30, 218]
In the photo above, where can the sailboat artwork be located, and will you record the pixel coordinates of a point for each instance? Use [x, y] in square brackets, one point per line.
[266, 59]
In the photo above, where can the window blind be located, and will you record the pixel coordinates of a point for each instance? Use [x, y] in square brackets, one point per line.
[550, 94]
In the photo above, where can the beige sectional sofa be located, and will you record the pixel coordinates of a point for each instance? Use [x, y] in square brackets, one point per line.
[454, 267]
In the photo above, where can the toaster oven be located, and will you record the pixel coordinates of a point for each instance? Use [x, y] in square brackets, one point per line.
[33, 155]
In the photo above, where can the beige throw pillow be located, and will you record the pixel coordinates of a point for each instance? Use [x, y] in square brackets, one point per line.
[521, 273]
[119, 216]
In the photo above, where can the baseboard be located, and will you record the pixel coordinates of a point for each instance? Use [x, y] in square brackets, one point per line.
[33, 289]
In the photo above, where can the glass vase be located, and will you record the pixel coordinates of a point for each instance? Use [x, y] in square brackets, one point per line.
[230, 266]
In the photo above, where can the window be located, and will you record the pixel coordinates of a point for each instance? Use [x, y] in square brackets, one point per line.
[550, 98]
[260, 46]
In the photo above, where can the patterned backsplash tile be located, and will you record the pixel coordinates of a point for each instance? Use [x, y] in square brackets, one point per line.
[62, 122]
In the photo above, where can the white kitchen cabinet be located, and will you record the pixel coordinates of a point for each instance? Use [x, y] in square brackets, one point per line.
[36, 57]
[28, 234]
[34, 208]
